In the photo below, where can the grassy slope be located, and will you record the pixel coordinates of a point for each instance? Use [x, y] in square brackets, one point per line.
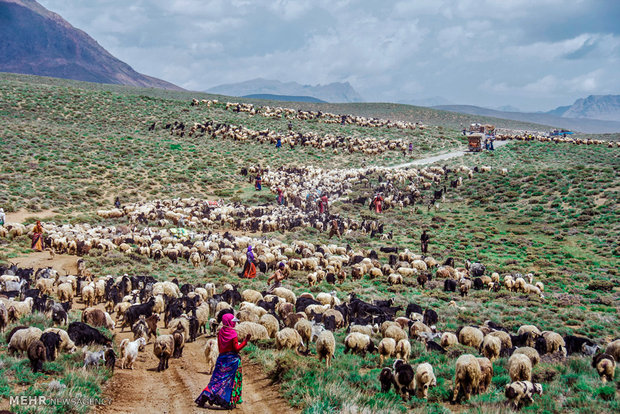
[555, 213]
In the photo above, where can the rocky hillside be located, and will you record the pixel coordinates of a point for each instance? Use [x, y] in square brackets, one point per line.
[604, 107]
[333, 92]
[36, 41]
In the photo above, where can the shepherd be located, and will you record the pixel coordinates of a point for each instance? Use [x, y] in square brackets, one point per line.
[224, 389]
[249, 269]
[37, 237]
[424, 238]
[377, 203]
[334, 230]
[280, 196]
[279, 143]
[278, 276]
[2, 217]
[259, 181]
[323, 204]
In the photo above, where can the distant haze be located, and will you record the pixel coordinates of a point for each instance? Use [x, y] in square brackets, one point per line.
[534, 55]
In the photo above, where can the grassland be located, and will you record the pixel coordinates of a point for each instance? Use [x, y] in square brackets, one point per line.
[71, 147]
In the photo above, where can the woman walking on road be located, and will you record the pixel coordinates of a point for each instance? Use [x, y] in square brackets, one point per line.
[224, 388]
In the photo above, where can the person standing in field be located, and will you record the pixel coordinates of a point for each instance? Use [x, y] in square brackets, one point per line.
[224, 389]
[278, 276]
[249, 269]
[2, 217]
[37, 237]
[258, 185]
[424, 238]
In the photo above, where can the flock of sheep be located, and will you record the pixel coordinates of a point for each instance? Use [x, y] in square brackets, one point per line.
[290, 320]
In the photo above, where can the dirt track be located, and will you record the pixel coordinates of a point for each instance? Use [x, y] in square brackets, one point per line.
[144, 390]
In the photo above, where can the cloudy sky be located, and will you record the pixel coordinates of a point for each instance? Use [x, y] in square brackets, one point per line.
[531, 54]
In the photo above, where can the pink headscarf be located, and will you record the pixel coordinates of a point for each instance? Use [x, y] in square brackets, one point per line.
[227, 332]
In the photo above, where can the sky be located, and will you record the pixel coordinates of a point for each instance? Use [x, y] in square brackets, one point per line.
[534, 55]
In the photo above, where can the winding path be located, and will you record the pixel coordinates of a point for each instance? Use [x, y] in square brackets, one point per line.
[441, 157]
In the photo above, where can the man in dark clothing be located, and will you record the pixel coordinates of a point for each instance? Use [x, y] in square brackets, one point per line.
[117, 202]
[424, 238]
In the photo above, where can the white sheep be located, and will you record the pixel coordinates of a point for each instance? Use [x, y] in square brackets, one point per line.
[423, 380]
[211, 353]
[358, 343]
[256, 331]
[491, 347]
[22, 338]
[387, 349]
[288, 338]
[326, 347]
[466, 376]
[522, 392]
[520, 368]
[403, 349]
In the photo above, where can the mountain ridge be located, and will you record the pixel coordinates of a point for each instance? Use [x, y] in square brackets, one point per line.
[37, 41]
[333, 92]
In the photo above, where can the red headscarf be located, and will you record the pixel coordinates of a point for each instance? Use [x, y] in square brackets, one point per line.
[227, 332]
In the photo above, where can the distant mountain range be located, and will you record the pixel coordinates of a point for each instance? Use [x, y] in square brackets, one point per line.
[285, 98]
[586, 125]
[35, 41]
[603, 107]
[337, 92]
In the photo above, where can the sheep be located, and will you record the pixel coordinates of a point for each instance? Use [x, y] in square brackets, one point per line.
[470, 336]
[403, 378]
[22, 338]
[179, 342]
[358, 343]
[97, 317]
[363, 329]
[326, 347]
[550, 342]
[285, 294]
[166, 288]
[395, 279]
[403, 349]
[16, 309]
[140, 329]
[65, 292]
[419, 330]
[327, 298]
[4, 317]
[522, 392]
[270, 323]
[129, 351]
[36, 355]
[530, 352]
[45, 286]
[83, 334]
[251, 296]
[448, 339]
[395, 332]
[387, 349]
[88, 295]
[66, 344]
[182, 322]
[211, 353]
[504, 338]
[423, 380]
[605, 365]
[613, 349]
[386, 378]
[163, 348]
[51, 341]
[288, 338]
[256, 331]
[486, 369]
[490, 347]
[520, 368]
[467, 376]
[304, 328]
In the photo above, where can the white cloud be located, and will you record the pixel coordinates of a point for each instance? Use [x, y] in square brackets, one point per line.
[528, 53]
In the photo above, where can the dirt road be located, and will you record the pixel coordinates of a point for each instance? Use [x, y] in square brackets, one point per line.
[144, 390]
[442, 157]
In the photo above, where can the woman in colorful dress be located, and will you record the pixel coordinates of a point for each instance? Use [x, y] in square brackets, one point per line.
[224, 388]
[37, 237]
[249, 269]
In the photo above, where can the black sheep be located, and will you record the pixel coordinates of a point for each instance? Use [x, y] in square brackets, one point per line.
[430, 317]
[84, 334]
[413, 307]
[193, 328]
[403, 378]
[36, 355]
[478, 284]
[575, 344]
[51, 341]
[386, 377]
[449, 285]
